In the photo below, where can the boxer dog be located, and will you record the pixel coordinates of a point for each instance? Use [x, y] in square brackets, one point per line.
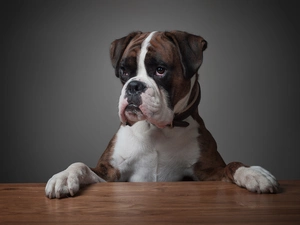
[161, 137]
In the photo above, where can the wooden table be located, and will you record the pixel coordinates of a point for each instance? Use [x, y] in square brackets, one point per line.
[151, 203]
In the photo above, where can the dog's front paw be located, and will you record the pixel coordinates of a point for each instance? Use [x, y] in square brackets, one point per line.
[256, 179]
[67, 182]
[63, 184]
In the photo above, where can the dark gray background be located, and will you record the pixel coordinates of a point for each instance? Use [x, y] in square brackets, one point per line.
[60, 92]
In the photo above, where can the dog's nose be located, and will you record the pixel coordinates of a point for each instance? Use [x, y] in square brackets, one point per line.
[135, 88]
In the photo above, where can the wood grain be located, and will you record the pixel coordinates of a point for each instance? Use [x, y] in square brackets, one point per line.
[151, 203]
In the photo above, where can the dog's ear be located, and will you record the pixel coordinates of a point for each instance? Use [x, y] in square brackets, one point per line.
[117, 49]
[190, 48]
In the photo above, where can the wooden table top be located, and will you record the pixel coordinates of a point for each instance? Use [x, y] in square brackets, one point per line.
[151, 203]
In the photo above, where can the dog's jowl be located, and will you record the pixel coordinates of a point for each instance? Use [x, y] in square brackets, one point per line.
[161, 137]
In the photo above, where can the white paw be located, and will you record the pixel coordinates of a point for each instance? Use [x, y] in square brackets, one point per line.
[256, 179]
[67, 182]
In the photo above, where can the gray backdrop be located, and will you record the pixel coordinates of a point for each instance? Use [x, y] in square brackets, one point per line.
[60, 92]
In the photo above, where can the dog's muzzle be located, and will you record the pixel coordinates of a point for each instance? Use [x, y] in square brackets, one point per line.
[133, 92]
[133, 99]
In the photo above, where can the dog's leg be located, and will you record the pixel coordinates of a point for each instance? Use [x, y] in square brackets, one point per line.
[68, 182]
[212, 167]
[104, 167]
[253, 178]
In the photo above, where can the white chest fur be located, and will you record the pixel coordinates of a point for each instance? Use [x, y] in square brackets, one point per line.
[144, 152]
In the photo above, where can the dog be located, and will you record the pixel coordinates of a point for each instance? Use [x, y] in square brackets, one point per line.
[161, 136]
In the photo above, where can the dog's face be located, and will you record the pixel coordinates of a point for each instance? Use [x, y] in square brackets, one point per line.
[158, 71]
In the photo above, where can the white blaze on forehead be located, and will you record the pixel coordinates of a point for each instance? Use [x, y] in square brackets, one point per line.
[141, 59]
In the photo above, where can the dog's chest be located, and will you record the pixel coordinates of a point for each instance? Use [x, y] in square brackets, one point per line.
[146, 153]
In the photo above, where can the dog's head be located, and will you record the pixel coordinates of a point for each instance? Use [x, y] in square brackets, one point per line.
[158, 71]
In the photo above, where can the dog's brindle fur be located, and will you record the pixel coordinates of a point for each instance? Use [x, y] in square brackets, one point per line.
[187, 49]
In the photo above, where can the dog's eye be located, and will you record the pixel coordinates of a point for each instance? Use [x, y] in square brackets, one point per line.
[160, 71]
[123, 72]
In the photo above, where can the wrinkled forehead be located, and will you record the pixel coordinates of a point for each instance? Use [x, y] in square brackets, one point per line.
[161, 49]
[134, 47]
[158, 46]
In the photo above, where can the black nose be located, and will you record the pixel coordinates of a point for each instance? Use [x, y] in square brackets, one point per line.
[135, 88]
[133, 92]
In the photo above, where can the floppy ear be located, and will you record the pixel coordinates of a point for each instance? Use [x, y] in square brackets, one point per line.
[117, 49]
[190, 48]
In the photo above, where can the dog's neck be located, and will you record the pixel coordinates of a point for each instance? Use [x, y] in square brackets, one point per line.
[179, 118]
